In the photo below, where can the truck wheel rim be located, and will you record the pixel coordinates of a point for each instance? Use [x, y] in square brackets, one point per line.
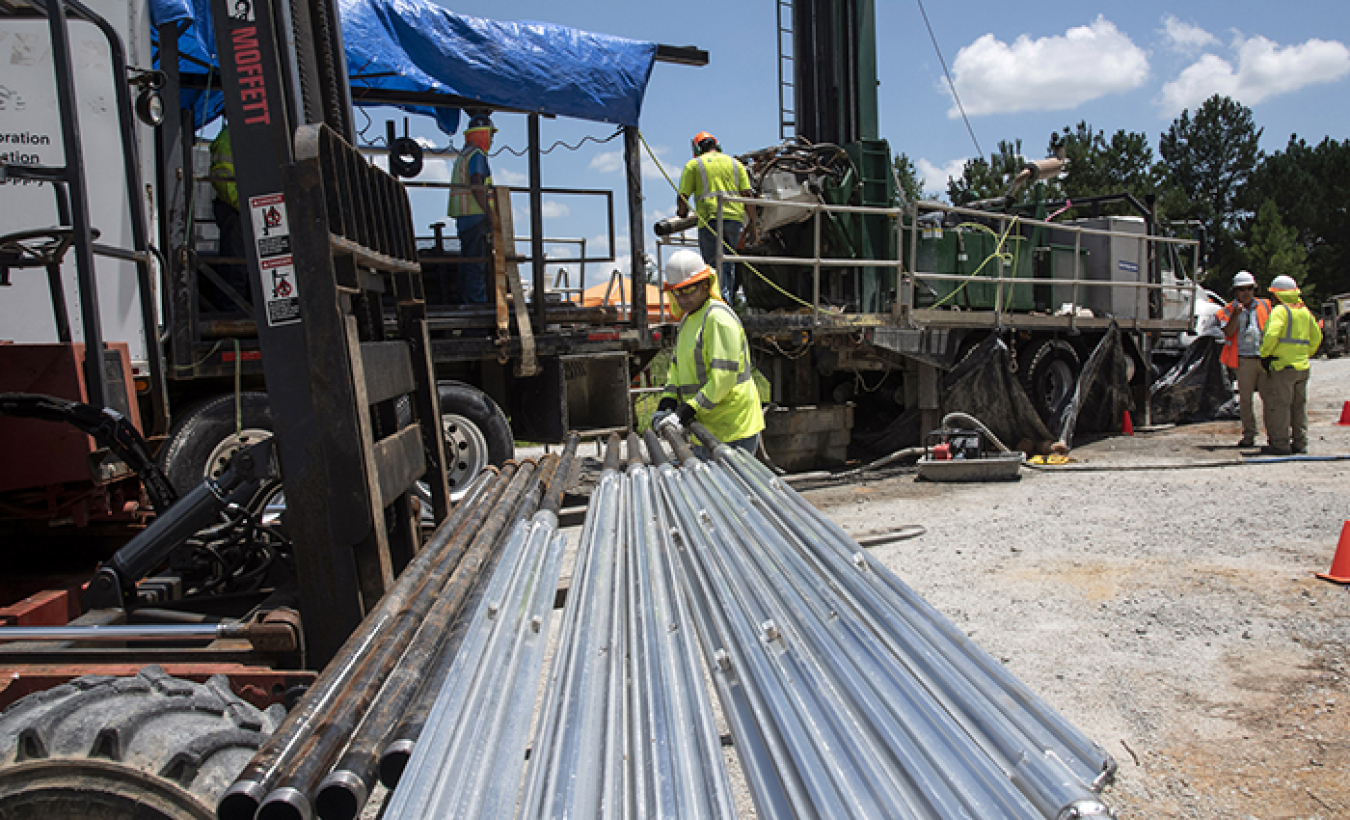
[1059, 380]
[466, 450]
[225, 450]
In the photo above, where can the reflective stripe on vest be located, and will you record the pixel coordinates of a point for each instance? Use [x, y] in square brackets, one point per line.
[708, 192]
[462, 200]
[1288, 338]
[701, 369]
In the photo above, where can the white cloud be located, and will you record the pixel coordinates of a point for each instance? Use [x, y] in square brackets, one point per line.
[1048, 74]
[934, 178]
[1263, 70]
[611, 162]
[506, 176]
[1185, 37]
[554, 209]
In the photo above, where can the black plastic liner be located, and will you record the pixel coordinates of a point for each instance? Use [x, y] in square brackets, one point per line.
[983, 385]
[1196, 389]
[1102, 396]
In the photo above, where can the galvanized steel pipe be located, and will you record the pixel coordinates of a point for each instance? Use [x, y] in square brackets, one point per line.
[243, 798]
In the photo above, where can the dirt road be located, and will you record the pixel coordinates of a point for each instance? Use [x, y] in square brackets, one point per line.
[1171, 613]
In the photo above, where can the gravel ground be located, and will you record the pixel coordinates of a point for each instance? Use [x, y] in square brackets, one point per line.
[1172, 613]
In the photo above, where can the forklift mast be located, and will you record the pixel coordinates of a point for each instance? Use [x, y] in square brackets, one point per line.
[328, 237]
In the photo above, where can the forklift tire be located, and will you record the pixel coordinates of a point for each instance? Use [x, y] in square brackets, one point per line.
[476, 433]
[149, 747]
[204, 439]
[1049, 371]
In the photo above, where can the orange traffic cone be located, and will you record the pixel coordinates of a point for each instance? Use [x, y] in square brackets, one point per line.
[1345, 415]
[1127, 426]
[1340, 565]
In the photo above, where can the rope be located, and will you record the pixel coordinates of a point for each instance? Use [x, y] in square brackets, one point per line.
[703, 223]
[998, 253]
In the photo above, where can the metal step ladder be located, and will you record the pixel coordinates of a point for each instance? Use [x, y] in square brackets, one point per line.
[787, 101]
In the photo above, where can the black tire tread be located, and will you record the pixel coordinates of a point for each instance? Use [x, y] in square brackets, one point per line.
[197, 432]
[131, 732]
[475, 405]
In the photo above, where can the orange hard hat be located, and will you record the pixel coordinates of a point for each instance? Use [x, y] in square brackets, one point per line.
[700, 138]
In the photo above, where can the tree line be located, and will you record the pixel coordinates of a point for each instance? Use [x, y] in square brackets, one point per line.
[1286, 212]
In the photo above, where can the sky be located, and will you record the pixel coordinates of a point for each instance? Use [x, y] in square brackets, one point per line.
[1020, 73]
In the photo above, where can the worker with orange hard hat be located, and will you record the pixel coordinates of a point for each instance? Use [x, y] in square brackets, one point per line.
[707, 176]
[711, 377]
[469, 184]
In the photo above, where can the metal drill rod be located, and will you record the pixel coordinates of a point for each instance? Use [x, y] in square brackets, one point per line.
[899, 733]
[289, 797]
[655, 452]
[399, 745]
[1052, 762]
[137, 632]
[553, 499]
[242, 799]
[781, 777]
[677, 769]
[568, 763]
[343, 792]
[841, 784]
[968, 663]
[468, 761]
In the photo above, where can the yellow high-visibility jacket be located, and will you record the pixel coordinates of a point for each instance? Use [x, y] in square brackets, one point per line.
[704, 177]
[1291, 336]
[222, 169]
[711, 370]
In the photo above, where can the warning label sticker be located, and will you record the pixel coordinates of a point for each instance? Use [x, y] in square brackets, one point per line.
[282, 289]
[272, 234]
[271, 228]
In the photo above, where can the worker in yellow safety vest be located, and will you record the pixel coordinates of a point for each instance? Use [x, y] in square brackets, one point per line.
[710, 376]
[1291, 337]
[705, 176]
[229, 226]
[1243, 321]
[469, 184]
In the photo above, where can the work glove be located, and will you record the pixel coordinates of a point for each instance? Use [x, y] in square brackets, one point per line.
[664, 410]
[1266, 362]
[686, 414]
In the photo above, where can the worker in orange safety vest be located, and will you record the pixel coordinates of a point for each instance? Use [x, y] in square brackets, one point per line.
[1244, 320]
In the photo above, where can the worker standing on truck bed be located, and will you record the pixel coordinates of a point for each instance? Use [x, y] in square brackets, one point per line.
[1243, 321]
[710, 375]
[705, 176]
[230, 228]
[470, 181]
[1291, 337]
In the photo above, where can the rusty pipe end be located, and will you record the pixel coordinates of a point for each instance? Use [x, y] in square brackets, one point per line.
[241, 800]
[286, 803]
[341, 796]
[394, 761]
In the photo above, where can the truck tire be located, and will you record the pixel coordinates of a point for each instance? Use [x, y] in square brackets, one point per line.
[476, 433]
[204, 439]
[149, 747]
[1049, 370]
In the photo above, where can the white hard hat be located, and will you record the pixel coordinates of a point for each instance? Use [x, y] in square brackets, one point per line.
[1284, 283]
[684, 266]
[1244, 279]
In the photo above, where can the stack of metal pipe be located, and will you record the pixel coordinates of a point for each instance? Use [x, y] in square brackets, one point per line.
[627, 728]
[848, 695]
[325, 756]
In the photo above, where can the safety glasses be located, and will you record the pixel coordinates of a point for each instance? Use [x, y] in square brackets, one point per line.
[686, 290]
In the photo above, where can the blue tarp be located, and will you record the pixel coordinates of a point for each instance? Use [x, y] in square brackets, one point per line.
[416, 45]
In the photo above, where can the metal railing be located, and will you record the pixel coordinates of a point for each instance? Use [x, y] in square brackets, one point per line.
[907, 219]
